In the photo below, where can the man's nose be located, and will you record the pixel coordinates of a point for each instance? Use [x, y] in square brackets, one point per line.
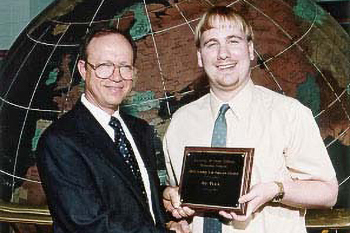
[116, 76]
[223, 52]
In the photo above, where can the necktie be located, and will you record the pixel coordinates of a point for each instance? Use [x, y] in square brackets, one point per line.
[125, 149]
[213, 225]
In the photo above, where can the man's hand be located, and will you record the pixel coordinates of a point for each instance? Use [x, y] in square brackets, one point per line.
[171, 200]
[257, 196]
[180, 227]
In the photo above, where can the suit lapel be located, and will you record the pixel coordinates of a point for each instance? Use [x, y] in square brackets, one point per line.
[145, 150]
[104, 147]
[138, 137]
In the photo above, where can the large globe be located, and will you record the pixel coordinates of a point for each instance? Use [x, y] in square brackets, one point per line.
[300, 51]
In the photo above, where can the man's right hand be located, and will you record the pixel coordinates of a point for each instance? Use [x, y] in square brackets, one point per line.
[171, 200]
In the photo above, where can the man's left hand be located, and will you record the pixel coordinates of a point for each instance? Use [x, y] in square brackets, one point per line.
[257, 196]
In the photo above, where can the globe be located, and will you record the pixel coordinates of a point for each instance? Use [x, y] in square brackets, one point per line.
[300, 51]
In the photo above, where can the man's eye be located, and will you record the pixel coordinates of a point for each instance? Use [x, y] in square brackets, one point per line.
[126, 67]
[233, 41]
[105, 65]
[212, 44]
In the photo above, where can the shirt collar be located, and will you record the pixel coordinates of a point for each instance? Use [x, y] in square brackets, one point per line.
[101, 116]
[238, 105]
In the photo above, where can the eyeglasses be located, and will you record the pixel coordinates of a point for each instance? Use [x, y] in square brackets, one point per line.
[106, 70]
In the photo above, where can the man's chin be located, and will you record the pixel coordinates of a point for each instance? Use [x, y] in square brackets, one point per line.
[228, 81]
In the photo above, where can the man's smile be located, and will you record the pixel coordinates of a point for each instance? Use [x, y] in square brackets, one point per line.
[226, 66]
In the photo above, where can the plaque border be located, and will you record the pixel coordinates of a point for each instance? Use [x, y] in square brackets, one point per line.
[241, 209]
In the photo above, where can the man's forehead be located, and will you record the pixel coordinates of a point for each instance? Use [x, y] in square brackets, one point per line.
[105, 46]
[109, 41]
[107, 38]
[223, 29]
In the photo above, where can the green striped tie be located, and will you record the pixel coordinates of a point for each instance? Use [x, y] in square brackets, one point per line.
[212, 224]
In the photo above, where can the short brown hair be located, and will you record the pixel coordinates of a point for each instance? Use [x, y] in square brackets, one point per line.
[102, 30]
[221, 13]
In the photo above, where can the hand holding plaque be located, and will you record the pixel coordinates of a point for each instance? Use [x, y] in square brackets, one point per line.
[214, 178]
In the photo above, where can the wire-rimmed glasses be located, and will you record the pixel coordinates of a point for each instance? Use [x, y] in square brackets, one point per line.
[106, 70]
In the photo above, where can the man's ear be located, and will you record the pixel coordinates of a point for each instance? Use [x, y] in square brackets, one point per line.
[251, 50]
[82, 68]
[199, 58]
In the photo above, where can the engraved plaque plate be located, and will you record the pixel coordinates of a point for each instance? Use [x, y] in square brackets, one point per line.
[214, 178]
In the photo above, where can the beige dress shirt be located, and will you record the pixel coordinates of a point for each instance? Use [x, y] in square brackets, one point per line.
[287, 146]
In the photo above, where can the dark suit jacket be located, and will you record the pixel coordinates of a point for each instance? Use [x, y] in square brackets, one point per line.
[88, 186]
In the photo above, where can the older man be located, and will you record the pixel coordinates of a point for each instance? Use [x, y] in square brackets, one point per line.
[97, 164]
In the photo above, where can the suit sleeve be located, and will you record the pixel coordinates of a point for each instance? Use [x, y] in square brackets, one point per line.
[74, 201]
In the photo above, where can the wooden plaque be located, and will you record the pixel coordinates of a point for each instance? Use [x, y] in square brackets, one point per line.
[213, 178]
